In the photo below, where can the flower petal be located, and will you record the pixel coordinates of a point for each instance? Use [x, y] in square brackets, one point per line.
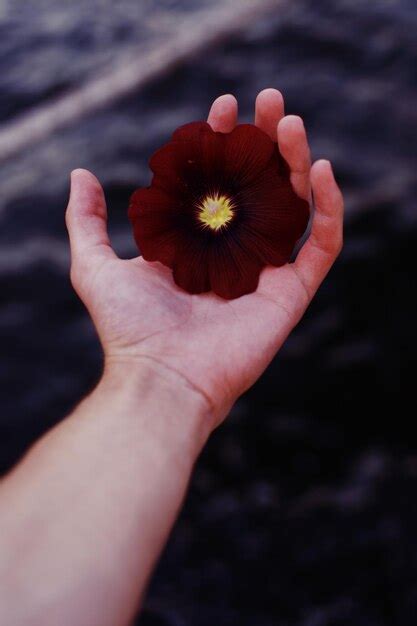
[210, 145]
[174, 166]
[245, 166]
[190, 168]
[157, 224]
[267, 250]
[272, 208]
[233, 271]
[150, 199]
[248, 151]
[191, 266]
[191, 131]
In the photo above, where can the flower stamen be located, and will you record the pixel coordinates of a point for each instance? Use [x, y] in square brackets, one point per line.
[215, 211]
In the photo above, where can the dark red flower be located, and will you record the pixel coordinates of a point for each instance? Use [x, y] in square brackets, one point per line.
[220, 208]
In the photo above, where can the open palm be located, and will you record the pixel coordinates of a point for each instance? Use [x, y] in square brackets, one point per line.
[215, 346]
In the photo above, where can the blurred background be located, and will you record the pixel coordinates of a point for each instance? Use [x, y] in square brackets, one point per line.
[302, 510]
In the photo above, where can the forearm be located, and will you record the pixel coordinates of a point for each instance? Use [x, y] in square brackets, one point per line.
[85, 514]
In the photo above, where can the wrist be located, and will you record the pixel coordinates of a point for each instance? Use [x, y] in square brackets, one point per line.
[158, 400]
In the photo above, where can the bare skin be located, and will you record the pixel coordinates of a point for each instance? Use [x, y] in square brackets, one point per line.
[84, 516]
[189, 333]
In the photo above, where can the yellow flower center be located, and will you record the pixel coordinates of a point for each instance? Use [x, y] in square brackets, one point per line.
[215, 211]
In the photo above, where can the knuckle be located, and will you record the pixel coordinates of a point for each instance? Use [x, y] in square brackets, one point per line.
[68, 216]
[338, 246]
[78, 272]
[74, 274]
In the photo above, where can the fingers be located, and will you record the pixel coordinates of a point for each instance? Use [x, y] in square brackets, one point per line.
[223, 114]
[326, 238]
[293, 145]
[269, 110]
[86, 219]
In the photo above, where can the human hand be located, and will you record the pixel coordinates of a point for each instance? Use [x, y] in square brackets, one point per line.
[213, 347]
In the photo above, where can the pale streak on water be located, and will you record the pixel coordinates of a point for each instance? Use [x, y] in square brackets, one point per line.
[301, 510]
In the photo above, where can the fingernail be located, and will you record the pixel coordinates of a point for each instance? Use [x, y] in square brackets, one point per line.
[328, 163]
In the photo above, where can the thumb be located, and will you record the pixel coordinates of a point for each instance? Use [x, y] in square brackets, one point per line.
[86, 219]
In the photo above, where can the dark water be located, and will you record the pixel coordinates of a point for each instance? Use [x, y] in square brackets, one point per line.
[302, 510]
